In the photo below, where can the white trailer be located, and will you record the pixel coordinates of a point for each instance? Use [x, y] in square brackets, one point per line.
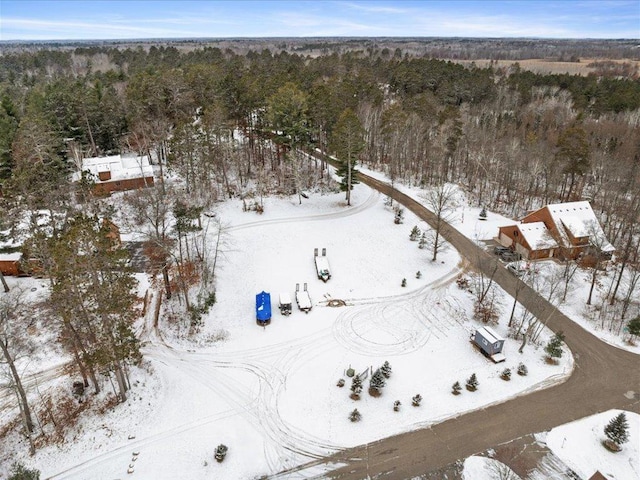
[322, 265]
[303, 299]
[284, 303]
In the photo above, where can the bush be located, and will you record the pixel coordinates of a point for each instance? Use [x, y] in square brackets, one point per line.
[506, 374]
[340, 383]
[221, 452]
[355, 415]
[456, 389]
[522, 370]
[396, 406]
[416, 400]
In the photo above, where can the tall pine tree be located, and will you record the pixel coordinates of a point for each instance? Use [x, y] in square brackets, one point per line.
[347, 141]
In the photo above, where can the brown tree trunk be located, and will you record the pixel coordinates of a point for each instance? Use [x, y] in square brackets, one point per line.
[22, 396]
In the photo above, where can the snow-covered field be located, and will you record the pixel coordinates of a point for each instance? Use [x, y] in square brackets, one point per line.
[270, 394]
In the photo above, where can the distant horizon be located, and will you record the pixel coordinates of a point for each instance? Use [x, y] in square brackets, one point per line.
[137, 20]
[337, 38]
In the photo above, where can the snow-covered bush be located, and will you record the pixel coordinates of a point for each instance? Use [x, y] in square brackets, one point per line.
[221, 452]
[456, 388]
[472, 383]
[355, 415]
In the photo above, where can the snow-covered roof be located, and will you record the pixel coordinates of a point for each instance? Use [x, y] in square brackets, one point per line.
[537, 235]
[490, 334]
[579, 219]
[120, 167]
[10, 257]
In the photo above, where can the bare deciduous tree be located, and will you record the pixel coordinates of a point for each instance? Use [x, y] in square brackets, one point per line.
[16, 344]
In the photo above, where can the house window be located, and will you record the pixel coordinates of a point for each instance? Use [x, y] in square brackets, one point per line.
[515, 233]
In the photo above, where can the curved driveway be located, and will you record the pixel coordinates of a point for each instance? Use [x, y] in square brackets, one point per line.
[605, 377]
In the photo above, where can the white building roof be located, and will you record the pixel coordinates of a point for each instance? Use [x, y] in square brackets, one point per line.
[579, 219]
[537, 235]
[490, 334]
[121, 168]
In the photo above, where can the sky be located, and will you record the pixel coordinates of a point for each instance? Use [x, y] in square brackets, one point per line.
[135, 19]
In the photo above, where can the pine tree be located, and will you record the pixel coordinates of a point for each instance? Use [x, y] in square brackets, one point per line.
[456, 388]
[522, 370]
[347, 141]
[423, 240]
[386, 369]
[416, 400]
[356, 387]
[554, 347]
[472, 383]
[355, 415]
[617, 430]
[415, 233]
[20, 472]
[377, 383]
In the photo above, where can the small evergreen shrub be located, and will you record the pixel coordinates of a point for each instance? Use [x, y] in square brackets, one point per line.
[221, 452]
[355, 415]
[456, 389]
[472, 383]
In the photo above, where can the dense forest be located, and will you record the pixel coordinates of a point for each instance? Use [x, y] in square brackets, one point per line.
[515, 139]
[236, 123]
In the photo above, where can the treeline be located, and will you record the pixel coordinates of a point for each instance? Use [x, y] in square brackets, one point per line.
[513, 138]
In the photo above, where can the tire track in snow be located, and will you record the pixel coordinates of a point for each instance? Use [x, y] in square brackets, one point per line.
[370, 201]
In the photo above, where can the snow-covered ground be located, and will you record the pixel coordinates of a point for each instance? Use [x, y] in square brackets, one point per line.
[270, 393]
[578, 446]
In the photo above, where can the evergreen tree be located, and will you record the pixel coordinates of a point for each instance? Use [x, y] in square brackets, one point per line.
[355, 415]
[634, 326]
[20, 472]
[554, 347]
[377, 383]
[483, 214]
[617, 430]
[386, 369]
[221, 452]
[356, 386]
[415, 233]
[347, 141]
[456, 388]
[423, 241]
[472, 383]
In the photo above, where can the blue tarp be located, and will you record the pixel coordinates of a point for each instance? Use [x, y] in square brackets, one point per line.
[263, 306]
